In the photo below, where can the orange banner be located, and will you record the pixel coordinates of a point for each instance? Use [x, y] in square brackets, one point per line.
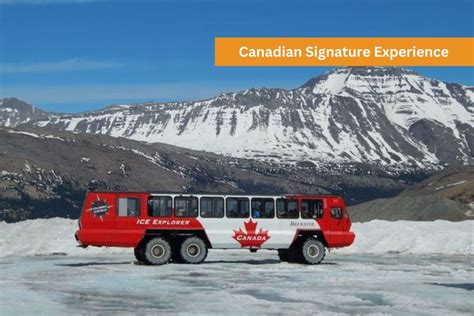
[344, 51]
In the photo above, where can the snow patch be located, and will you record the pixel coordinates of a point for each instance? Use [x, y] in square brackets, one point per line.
[440, 237]
[450, 185]
[24, 133]
[52, 137]
[43, 136]
[8, 110]
[6, 173]
[43, 237]
[334, 83]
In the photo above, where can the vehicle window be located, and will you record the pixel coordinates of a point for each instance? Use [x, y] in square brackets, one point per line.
[263, 208]
[128, 207]
[311, 209]
[237, 208]
[186, 206]
[212, 207]
[160, 206]
[287, 208]
[336, 212]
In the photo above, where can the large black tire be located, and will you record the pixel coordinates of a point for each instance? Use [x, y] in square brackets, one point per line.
[157, 251]
[193, 250]
[283, 255]
[313, 251]
[138, 252]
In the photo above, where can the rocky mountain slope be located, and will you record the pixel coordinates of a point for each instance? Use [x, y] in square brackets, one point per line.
[387, 117]
[448, 194]
[14, 112]
[45, 173]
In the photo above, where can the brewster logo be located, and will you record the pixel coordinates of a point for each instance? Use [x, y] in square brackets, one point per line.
[99, 208]
[250, 238]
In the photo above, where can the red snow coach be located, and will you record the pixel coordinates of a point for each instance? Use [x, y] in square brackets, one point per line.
[182, 227]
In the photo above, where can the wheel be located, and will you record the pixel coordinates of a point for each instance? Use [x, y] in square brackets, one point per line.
[313, 251]
[157, 251]
[283, 255]
[193, 250]
[138, 252]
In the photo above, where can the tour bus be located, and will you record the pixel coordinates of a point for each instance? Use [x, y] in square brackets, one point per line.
[174, 227]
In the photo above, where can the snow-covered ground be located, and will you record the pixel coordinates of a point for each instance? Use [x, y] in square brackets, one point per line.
[56, 235]
[42, 272]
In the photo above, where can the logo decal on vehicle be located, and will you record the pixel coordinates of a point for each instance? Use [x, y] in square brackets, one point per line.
[99, 208]
[250, 238]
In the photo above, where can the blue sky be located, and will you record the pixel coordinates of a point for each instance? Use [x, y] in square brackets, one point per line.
[79, 55]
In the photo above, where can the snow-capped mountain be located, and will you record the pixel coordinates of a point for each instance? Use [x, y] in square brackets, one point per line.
[389, 117]
[14, 112]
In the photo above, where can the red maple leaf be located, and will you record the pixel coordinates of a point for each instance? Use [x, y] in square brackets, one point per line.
[250, 238]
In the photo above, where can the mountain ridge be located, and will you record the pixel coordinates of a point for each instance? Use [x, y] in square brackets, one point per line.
[388, 117]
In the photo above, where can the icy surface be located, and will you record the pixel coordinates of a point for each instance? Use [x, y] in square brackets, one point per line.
[41, 265]
[238, 283]
[56, 235]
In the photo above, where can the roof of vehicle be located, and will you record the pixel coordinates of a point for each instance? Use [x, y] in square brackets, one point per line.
[216, 194]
